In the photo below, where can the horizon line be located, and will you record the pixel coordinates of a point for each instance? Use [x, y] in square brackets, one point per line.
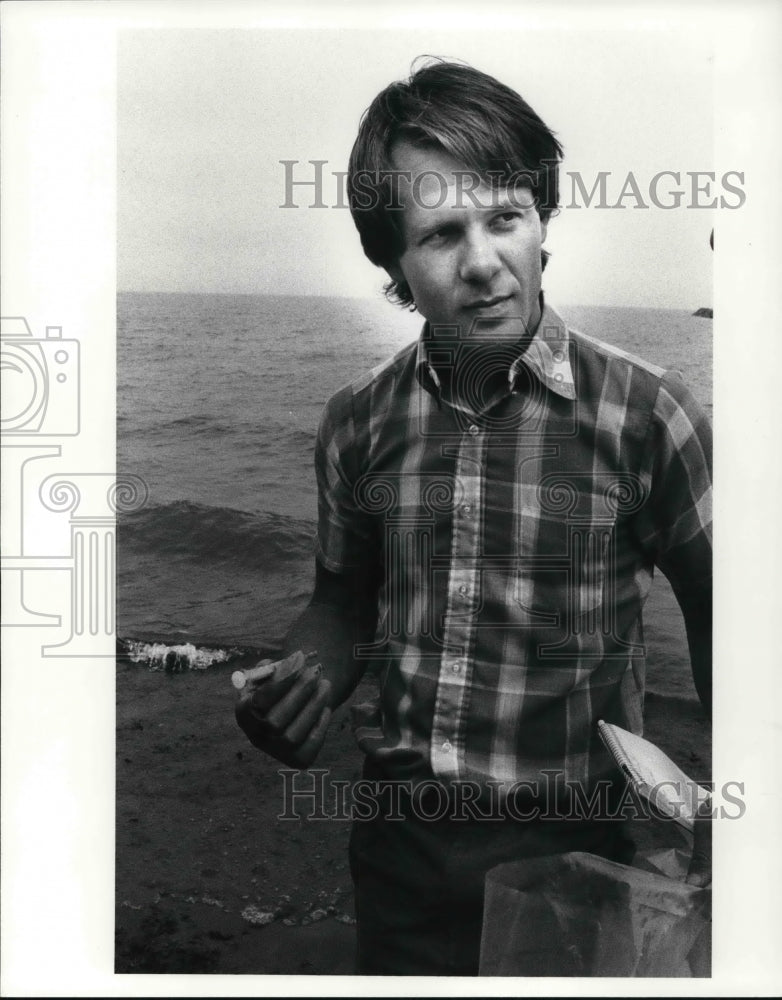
[379, 297]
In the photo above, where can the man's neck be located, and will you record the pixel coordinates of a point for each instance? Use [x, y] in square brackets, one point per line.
[480, 373]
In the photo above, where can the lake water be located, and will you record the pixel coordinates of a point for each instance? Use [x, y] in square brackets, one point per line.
[219, 398]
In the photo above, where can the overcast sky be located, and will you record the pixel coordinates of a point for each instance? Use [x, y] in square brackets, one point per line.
[205, 116]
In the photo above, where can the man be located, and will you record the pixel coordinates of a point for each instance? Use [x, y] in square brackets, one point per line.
[492, 503]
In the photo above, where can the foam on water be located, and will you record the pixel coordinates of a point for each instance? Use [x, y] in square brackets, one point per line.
[159, 656]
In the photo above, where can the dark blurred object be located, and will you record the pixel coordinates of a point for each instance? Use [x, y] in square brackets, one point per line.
[699, 871]
[705, 311]
[579, 915]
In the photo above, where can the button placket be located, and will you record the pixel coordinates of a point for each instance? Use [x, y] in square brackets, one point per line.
[454, 670]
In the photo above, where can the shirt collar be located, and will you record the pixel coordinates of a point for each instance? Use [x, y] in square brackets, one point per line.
[546, 356]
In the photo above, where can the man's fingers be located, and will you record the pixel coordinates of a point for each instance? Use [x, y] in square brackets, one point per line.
[293, 727]
[287, 708]
[309, 715]
[268, 693]
[254, 725]
[308, 751]
[294, 755]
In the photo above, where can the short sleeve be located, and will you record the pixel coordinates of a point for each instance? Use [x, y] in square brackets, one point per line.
[346, 537]
[675, 523]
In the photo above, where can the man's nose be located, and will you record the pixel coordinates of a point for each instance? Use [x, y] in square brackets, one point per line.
[479, 261]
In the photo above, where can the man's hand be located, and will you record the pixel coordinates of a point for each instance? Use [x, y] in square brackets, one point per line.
[287, 714]
[287, 717]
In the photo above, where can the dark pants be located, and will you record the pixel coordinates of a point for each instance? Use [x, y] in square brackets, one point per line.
[419, 883]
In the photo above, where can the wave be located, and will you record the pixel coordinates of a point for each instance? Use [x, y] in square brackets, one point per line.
[197, 423]
[216, 535]
[175, 658]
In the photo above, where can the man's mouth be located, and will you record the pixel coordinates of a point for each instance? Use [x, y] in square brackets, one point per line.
[487, 303]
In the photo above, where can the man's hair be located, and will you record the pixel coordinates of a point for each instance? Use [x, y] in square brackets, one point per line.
[480, 122]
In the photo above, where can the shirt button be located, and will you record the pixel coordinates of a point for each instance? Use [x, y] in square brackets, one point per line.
[446, 747]
[456, 667]
[559, 356]
[558, 377]
[473, 429]
[466, 509]
[463, 590]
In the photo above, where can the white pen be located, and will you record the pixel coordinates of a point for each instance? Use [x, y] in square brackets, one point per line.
[241, 678]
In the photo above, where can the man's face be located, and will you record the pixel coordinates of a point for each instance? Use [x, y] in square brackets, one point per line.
[475, 254]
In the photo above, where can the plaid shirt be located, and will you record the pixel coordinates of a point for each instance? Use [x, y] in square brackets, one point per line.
[516, 547]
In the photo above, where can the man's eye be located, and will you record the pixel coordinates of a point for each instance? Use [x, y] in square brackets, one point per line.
[439, 236]
[507, 218]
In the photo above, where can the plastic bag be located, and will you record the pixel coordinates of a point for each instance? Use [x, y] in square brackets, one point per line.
[580, 915]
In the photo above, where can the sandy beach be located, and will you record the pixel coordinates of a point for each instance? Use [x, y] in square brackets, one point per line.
[210, 880]
[199, 842]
